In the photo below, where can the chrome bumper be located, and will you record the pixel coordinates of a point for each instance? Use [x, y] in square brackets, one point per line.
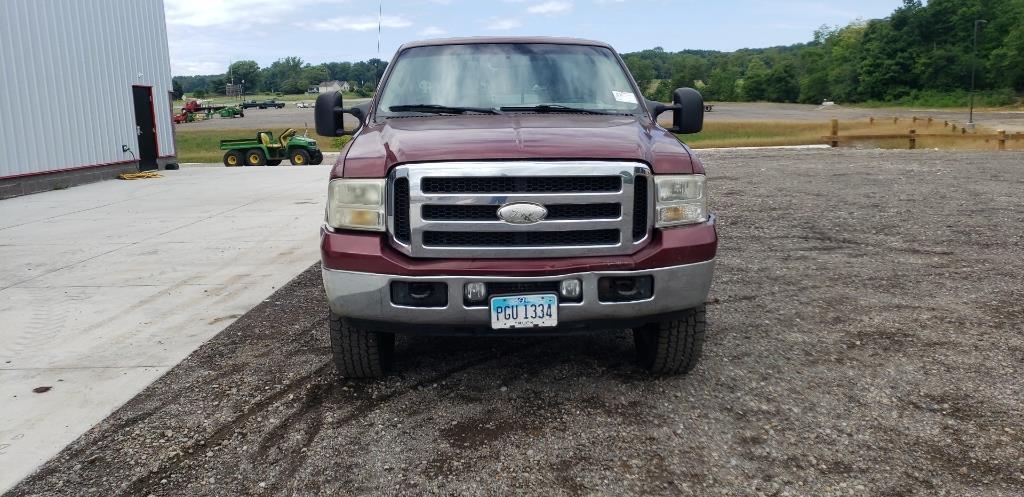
[367, 296]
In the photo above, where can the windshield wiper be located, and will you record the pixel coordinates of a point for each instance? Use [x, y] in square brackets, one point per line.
[441, 109]
[556, 108]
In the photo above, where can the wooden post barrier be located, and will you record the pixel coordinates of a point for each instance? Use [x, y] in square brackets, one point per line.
[1002, 139]
[929, 122]
[945, 124]
[834, 140]
[954, 127]
[871, 121]
[913, 119]
[895, 119]
[913, 139]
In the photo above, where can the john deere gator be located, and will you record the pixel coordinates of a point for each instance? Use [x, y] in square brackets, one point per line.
[267, 151]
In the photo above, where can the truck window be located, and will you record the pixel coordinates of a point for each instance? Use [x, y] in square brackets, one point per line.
[498, 75]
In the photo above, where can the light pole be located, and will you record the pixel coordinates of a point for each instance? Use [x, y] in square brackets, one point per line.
[974, 63]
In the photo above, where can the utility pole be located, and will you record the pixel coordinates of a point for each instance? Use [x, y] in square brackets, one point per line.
[974, 64]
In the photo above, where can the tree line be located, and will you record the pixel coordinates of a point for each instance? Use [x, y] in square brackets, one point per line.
[919, 54]
[290, 75]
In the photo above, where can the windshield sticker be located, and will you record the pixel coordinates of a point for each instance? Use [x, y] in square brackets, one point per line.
[624, 96]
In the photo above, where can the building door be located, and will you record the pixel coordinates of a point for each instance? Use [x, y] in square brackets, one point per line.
[145, 127]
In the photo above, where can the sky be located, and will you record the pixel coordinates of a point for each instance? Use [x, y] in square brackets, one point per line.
[206, 35]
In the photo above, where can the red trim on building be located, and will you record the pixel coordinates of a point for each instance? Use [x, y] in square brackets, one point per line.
[75, 168]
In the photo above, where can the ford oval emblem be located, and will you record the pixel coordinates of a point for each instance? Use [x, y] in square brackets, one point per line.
[522, 213]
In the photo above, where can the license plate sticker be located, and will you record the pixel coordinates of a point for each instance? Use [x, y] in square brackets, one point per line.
[524, 311]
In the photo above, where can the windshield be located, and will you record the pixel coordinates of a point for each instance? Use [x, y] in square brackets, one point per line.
[506, 77]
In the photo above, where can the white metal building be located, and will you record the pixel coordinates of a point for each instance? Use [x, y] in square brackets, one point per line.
[84, 91]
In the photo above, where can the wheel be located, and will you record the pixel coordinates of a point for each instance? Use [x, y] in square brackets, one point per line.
[262, 107]
[275, 162]
[317, 158]
[255, 157]
[233, 158]
[299, 157]
[672, 347]
[359, 353]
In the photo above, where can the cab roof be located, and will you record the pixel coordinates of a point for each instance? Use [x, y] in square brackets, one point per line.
[482, 40]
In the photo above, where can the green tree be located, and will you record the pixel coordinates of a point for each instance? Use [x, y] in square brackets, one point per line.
[244, 70]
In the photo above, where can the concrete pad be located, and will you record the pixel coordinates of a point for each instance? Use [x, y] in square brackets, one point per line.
[104, 287]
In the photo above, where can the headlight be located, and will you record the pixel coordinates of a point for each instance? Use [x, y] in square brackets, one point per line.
[356, 204]
[681, 200]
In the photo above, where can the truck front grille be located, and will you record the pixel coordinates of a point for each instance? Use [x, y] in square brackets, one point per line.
[451, 209]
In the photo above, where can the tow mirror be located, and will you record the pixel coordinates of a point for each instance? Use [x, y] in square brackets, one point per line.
[687, 110]
[329, 115]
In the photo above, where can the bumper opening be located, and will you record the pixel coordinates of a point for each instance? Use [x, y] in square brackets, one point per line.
[419, 294]
[625, 288]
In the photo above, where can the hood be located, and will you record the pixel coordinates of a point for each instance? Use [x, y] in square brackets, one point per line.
[379, 147]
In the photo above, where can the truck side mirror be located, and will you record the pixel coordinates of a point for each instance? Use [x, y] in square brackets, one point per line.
[329, 115]
[687, 110]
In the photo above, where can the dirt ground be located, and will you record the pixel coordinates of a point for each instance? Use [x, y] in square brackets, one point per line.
[865, 340]
[1011, 121]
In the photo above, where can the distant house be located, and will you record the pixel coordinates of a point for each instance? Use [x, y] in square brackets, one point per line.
[335, 85]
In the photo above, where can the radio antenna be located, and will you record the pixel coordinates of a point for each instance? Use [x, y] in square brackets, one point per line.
[380, 15]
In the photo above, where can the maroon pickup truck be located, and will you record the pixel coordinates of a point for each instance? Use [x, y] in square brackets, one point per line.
[515, 186]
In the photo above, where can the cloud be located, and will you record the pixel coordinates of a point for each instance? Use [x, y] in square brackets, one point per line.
[495, 24]
[548, 8]
[432, 31]
[358, 23]
[212, 13]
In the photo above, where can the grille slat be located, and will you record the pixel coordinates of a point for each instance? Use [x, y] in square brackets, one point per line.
[639, 208]
[556, 212]
[403, 232]
[520, 239]
[522, 184]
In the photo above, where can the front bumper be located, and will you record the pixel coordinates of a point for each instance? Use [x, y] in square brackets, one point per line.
[366, 298]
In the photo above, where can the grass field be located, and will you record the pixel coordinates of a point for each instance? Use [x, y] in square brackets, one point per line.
[718, 134]
[202, 145]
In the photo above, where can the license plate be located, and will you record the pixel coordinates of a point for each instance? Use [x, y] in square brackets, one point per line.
[524, 311]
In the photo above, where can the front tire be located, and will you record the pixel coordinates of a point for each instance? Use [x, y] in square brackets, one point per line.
[299, 157]
[317, 158]
[275, 162]
[672, 347]
[233, 158]
[359, 353]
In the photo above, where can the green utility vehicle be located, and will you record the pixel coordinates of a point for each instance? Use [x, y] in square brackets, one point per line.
[266, 151]
[231, 112]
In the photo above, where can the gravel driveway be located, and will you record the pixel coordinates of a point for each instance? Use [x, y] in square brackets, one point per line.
[866, 340]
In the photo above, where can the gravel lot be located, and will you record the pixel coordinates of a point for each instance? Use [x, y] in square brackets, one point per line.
[289, 116]
[866, 340]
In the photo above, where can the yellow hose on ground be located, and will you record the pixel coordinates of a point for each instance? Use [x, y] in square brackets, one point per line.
[145, 175]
